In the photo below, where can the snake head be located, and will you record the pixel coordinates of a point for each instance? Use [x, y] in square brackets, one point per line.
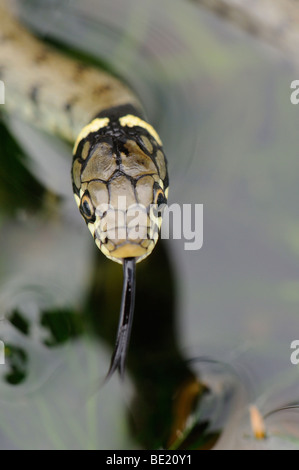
[120, 184]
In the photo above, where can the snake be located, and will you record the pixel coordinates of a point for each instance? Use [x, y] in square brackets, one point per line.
[119, 168]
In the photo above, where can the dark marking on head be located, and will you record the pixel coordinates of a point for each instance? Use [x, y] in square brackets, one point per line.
[118, 111]
[166, 179]
[146, 144]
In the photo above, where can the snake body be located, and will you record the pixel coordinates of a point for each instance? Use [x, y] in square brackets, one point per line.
[47, 88]
[276, 22]
[119, 169]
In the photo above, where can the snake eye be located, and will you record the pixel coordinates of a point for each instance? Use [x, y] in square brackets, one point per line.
[86, 207]
[160, 198]
[160, 201]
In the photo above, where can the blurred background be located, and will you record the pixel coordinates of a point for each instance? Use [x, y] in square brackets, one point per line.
[212, 328]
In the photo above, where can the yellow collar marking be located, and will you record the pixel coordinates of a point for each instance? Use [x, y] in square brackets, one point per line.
[93, 126]
[130, 120]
